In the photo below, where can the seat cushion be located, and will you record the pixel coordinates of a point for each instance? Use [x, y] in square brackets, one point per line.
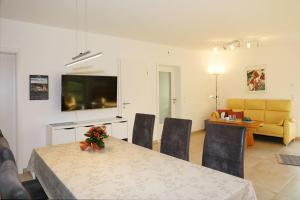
[10, 185]
[270, 129]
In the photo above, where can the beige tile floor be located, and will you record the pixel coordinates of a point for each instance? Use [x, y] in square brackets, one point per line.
[271, 180]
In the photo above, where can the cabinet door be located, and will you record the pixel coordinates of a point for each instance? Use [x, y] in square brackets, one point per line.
[119, 130]
[80, 131]
[62, 136]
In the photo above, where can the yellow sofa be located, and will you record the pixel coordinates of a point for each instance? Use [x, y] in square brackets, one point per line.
[276, 115]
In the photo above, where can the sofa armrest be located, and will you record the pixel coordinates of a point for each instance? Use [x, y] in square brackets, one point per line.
[289, 131]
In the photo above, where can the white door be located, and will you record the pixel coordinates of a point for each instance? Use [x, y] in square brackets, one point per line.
[138, 90]
[8, 99]
[166, 95]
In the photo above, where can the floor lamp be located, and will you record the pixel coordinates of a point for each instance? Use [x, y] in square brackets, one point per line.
[216, 71]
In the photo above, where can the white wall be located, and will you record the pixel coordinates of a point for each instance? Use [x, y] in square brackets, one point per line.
[8, 104]
[282, 64]
[44, 50]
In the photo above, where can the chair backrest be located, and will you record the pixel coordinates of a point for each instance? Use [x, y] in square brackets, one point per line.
[4, 143]
[224, 149]
[10, 185]
[1, 135]
[5, 152]
[175, 140]
[143, 130]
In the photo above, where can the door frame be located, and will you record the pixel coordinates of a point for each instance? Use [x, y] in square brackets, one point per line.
[176, 82]
[16, 52]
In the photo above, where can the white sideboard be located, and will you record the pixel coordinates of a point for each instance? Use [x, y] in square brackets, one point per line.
[60, 133]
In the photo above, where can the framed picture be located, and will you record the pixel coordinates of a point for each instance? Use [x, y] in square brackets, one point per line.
[39, 87]
[256, 79]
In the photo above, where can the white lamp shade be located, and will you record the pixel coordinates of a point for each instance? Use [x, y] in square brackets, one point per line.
[216, 69]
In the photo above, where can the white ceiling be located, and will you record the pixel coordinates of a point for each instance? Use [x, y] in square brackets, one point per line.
[184, 23]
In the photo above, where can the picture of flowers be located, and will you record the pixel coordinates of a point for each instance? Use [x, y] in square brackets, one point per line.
[256, 79]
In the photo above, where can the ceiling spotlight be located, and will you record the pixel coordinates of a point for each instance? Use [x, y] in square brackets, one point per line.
[248, 45]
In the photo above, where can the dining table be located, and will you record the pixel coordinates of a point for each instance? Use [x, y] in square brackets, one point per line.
[127, 171]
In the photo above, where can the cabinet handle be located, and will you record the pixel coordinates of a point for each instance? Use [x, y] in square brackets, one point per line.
[107, 124]
[122, 121]
[69, 128]
[89, 126]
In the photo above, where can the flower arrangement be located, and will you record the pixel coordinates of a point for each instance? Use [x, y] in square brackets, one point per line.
[94, 140]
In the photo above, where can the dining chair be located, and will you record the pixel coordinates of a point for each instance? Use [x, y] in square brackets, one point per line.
[10, 185]
[143, 130]
[175, 139]
[5, 152]
[223, 149]
[4, 142]
[32, 187]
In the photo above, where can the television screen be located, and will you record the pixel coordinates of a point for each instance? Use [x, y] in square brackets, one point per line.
[88, 92]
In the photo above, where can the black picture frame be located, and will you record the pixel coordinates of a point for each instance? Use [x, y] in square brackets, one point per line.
[39, 87]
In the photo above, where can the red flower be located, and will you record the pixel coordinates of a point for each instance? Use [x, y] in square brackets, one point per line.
[96, 134]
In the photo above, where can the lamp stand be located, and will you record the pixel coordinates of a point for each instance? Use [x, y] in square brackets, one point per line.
[216, 75]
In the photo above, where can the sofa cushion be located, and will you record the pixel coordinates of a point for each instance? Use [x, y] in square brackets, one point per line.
[255, 114]
[235, 103]
[270, 129]
[255, 104]
[238, 115]
[279, 105]
[275, 117]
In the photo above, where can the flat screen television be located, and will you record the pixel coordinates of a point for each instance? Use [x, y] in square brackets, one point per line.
[88, 92]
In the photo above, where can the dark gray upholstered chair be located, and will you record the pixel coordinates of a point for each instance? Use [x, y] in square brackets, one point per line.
[175, 140]
[35, 189]
[4, 143]
[14, 189]
[143, 130]
[224, 149]
[5, 152]
[10, 185]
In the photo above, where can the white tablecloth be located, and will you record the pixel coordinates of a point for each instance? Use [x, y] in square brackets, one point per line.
[126, 171]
